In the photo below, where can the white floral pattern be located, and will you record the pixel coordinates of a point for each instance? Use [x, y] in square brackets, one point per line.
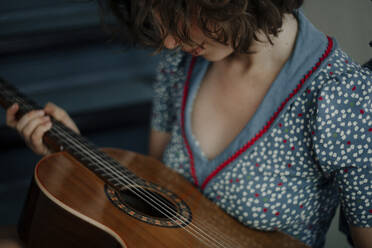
[316, 155]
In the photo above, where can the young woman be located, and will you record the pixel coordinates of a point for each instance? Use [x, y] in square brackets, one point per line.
[257, 108]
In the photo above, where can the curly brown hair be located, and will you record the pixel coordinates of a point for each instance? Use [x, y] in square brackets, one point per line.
[148, 22]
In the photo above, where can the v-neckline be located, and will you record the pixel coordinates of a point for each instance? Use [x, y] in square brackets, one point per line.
[266, 113]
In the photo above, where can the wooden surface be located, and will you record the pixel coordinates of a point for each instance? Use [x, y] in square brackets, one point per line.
[78, 191]
[44, 224]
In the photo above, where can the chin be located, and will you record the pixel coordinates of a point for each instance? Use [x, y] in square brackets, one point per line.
[215, 57]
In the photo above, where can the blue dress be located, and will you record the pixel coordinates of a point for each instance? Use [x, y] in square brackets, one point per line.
[306, 150]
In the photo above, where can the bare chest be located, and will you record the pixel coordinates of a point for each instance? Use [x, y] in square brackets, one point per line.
[221, 109]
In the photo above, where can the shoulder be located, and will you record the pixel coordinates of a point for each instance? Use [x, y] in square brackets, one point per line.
[171, 71]
[168, 89]
[172, 61]
[343, 116]
[342, 73]
[343, 84]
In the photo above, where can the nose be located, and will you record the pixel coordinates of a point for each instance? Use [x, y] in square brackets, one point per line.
[170, 42]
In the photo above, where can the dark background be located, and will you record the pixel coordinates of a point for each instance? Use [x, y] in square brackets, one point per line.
[57, 51]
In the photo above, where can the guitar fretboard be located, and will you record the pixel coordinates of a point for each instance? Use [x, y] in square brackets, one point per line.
[61, 138]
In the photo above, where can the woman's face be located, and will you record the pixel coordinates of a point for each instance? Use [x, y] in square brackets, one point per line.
[210, 49]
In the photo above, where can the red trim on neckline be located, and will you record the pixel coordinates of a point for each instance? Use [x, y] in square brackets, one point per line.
[258, 135]
[184, 98]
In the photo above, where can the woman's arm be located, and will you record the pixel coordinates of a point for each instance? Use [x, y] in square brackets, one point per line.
[158, 142]
[362, 237]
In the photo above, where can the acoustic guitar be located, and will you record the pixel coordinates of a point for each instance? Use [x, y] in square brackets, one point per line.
[82, 196]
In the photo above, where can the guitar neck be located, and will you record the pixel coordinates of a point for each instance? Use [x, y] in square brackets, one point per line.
[62, 138]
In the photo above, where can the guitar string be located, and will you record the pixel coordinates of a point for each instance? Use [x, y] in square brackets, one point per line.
[204, 224]
[159, 201]
[216, 231]
[207, 236]
[144, 193]
[196, 219]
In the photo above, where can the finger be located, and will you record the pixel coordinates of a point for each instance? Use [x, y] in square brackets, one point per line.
[36, 140]
[69, 123]
[27, 118]
[60, 115]
[11, 115]
[55, 111]
[30, 127]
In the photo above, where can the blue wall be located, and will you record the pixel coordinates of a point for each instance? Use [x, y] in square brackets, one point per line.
[56, 51]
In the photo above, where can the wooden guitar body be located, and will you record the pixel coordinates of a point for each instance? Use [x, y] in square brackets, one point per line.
[68, 206]
[82, 197]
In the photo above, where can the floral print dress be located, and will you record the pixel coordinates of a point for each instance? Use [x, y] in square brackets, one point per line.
[306, 150]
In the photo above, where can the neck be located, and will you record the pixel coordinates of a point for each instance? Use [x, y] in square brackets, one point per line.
[266, 56]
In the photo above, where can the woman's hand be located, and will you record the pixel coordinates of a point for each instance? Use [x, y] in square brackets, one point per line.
[34, 124]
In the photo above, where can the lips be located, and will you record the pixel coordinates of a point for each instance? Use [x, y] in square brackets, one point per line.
[196, 51]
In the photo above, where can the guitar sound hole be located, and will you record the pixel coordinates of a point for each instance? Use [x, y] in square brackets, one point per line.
[147, 202]
[151, 204]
